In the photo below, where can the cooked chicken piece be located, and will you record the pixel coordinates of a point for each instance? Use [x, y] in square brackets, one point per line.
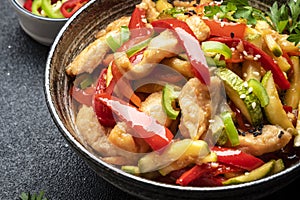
[178, 3]
[92, 55]
[121, 138]
[92, 133]
[151, 12]
[273, 138]
[160, 47]
[114, 26]
[153, 106]
[195, 105]
[182, 66]
[198, 26]
[218, 96]
[94, 136]
[88, 59]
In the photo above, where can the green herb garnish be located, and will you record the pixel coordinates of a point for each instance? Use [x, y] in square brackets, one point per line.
[286, 19]
[234, 10]
[34, 196]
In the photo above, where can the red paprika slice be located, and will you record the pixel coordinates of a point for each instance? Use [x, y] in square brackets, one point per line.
[146, 127]
[28, 5]
[71, 6]
[227, 29]
[104, 114]
[237, 158]
[191, 45]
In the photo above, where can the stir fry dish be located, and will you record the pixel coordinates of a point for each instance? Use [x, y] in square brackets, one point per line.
[192, 94]
[54, 8]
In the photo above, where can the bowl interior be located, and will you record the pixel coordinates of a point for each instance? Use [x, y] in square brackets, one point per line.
[72, 39]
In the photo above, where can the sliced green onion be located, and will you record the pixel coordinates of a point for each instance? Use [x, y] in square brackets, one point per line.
[86, 83]
[125, 34]
[214, 62]
[112, 43]
[230, 128]
[170, 93]
[257, 88]
[136, 48]
[217, 47]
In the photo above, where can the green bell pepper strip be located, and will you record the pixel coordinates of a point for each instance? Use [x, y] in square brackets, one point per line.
[36, 6]
[217, 47]
[138, 47]
[169, 94]
[116, 43]
[259, 91]
[230, 128]
[52, 10]
[125, 34]
[112, 43]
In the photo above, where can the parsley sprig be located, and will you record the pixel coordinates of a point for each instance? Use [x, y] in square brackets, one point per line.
[286, 19]
[283, 19]
[234, 10]
[34, 196]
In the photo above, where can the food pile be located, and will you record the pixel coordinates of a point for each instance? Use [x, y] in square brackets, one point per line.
[54, 8]
[192, 94]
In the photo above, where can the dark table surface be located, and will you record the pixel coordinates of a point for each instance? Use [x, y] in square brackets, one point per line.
[34, 155]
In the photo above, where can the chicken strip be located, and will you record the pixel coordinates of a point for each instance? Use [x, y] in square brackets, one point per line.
[94, 136]
[198, 26]
[195, 106]
[152, 106]
[273, 138]
[160, 47]
[92, 55]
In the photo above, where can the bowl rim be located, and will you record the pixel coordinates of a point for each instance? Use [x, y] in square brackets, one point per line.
[20, 8]
[75, 144]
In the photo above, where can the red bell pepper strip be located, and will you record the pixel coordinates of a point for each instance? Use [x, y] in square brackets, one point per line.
[237, 158]
[227, 29]
[137, 23]
[191, 45]
[146, 127]
[104, 113]
[83, 96]
[124, 85]
[266, 61]
[138, 19]
[69, 7]
[192, 174]
[206, 174]
[27, 5]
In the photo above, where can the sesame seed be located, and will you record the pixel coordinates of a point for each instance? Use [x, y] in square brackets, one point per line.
[232, 49]
[214, 164]
[253, 104]
[232, 34]
[255, 73]
[222, 24]
[246, 84]
[280, 134]
[242, 96]
[245, 74]
[250, 90]
[245, 53]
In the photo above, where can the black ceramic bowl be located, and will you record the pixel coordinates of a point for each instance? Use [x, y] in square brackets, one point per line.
[77, 33]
